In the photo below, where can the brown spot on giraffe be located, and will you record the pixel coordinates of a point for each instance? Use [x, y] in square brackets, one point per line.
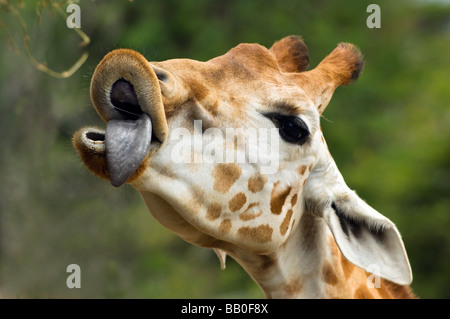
[253, 211]
[225, 226]
[333, 247]
[225, 175]
[199, 90]
[294, 200]
[267, 261]
[256, 182]
[213, 212]
[285, 224]
[237, 202]
[278, 198]
[293, 287]
[363, 292]
[301, 170]
[260, 234]
[329, 275]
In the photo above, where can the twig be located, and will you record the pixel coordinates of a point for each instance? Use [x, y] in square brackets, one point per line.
[42, 66]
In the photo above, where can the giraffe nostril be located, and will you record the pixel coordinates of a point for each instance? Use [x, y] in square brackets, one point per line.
[124, 99]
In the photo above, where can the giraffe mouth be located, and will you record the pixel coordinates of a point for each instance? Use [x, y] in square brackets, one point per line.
[117, 152]
[126, 94]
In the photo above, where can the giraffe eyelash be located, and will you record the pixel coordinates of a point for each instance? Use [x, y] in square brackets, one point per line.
[292, 128]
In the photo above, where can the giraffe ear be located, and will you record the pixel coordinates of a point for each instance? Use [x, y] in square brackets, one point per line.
[291, 54]
[367, 239]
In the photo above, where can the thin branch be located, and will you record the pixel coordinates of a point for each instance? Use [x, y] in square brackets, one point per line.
[42, 66]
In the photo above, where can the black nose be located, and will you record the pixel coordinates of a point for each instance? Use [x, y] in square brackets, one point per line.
[124, 99]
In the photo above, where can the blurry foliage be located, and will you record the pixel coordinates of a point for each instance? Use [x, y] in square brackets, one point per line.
[16, 10]
[389, 133]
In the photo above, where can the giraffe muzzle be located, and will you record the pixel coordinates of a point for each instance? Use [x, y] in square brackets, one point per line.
[127, 140]
[126, 94]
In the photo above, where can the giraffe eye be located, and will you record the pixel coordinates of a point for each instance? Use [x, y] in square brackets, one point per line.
[292, 128]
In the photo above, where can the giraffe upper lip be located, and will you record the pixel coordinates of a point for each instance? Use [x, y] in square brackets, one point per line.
[126, 93]
[127, 139]
[124, 86]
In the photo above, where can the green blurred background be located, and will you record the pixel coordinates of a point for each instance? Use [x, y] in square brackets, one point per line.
[389, 133]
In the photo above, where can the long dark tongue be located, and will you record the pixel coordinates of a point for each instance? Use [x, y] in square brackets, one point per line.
[127, 138]
[127, 142]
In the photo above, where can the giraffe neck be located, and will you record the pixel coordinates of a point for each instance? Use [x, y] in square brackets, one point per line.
[293, 271]
[310, 265]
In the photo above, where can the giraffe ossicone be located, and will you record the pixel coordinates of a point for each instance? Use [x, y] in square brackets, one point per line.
[277, 205]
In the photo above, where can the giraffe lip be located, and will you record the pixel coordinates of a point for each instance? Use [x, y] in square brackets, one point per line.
[96, 137]
[124, 85]
[117, 152]
[91, 140]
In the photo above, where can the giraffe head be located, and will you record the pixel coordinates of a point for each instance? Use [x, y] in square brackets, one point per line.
[229, 152]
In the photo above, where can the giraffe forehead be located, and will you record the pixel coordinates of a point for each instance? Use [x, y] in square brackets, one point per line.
[247, 73]
[244, 62]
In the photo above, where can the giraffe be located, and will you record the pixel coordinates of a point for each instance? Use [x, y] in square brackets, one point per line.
[299, 231]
